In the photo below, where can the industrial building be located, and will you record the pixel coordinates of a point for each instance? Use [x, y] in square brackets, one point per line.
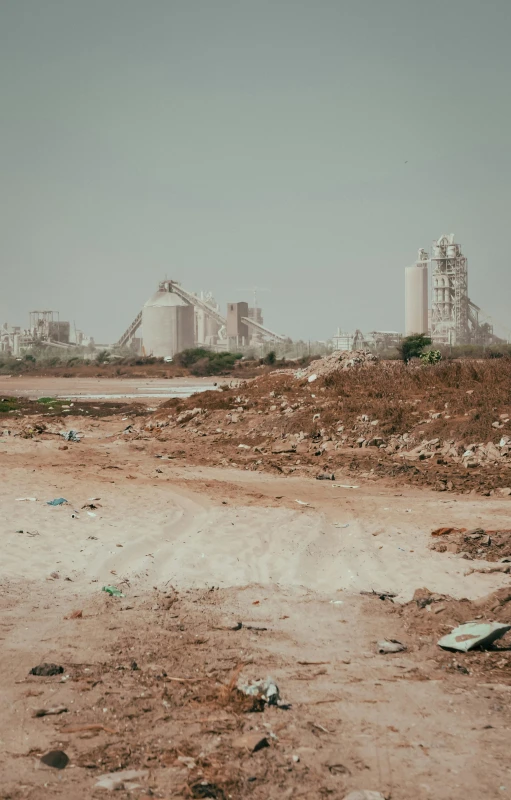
[45, 329]
[453, 318]
[175, 319]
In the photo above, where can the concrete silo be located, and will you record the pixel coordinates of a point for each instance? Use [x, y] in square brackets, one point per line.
[416, 296]
[168, 325]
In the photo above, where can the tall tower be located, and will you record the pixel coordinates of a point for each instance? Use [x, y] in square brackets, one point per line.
[450, 302]
[416, 295]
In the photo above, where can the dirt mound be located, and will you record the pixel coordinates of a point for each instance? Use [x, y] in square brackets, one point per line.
[487, 545]
[335, 362]
[429, 616]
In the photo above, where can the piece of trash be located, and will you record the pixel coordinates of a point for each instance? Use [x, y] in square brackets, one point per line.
[346, 525]
[325, 476]
[126, 779]
[56, 759]
[445, 531]
[91, 514]
[336, 602]
[83, 728]
[49, 712]
[302, 503]
[70, 436]
[381, 595]
[473, 634]
[390, 646]
[59, 501]
[344, 486]
[75, 615]
[265, 690]
[312, 378]
[364, 794]
[46, 670]
[251, 742]
[112, 591]
[189, 762]
[24, 499]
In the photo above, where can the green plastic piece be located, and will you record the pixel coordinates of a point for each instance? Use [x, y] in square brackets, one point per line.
[113, 591]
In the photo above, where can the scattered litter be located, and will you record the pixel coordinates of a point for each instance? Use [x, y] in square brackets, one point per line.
[346, 525]
[126, 779]
[319, 727]
[59, 501]
[23, 499]
[364, 794]
[83, 728]
[336, 602]
[473, 634]
[56, 759]
[381, 595]
[49, 712]
[390, 646]
[266, 690]
[91, 514]
[70, 436]
[75, 615]
[112, 591]
[30, 533]
[312, 378]
[325, 476]
[345, 486]
[302, 503]
[251, 742]
[45, 670]
[190, 763]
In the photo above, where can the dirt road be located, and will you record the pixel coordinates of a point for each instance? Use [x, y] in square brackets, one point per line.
[196, 551]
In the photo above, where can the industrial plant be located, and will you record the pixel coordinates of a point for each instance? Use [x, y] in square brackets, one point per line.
[174, 319]
[452, 319]
[45, 329]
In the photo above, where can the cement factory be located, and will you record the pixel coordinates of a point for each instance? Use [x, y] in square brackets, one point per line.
[452, 319]
[175, 319]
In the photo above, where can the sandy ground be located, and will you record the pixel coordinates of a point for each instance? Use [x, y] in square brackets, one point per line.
[402, 724]
[131, 388]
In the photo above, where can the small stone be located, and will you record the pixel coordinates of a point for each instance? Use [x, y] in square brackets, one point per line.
[251, 741]
[56, 759]
[121, 780]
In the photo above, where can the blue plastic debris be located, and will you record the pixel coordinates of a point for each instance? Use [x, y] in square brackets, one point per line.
[59, 501]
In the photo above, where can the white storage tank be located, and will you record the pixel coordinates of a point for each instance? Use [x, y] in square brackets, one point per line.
[168, 325]
[416, 299]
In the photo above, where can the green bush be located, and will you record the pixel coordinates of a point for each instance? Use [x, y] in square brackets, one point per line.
[431, 357]
[412, 346]
[206, 362]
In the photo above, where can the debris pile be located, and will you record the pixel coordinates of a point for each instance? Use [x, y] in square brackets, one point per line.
[337, 361]
[477, 543]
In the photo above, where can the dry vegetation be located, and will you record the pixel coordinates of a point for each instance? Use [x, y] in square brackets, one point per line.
[390, 419]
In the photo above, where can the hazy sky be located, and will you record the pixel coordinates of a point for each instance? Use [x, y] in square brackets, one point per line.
[309, 147]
